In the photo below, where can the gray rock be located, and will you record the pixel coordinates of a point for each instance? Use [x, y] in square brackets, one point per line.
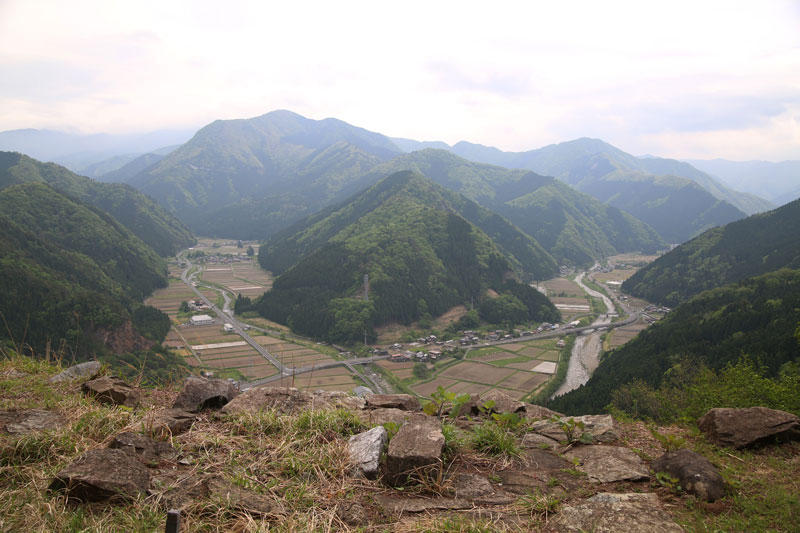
[405, 402]
[167, 423]
[600, 427]
[739, 428]
[113, 391]
[365, 450]
[537, 412]
[415, 451]
[290, 400]
[376, 417]
[615, 513]
[362, 391]
[217, 491]
[82, 371]
[401, 504]
[103, 474]
[27, 421]
[604, 464]
[503, 403]
[352, 513]
[535, 440]
[149, 451]
[694, 473]
[201, 393]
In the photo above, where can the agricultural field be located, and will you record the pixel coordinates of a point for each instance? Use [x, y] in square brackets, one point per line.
[619, 336]
[518, 369]
[337, 378]
[568, 297]
[246, 278]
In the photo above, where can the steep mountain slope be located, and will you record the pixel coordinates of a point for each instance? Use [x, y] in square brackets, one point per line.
[756, 245]
[69, 271]
[424, 248]
[756, 317]
[141, 215]
[778, 182]
[233, 160]
[575, 228]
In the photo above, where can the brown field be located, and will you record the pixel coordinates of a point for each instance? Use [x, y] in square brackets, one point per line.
[619, 336]
[517, 380]
[259, 371]
[514, 347]
[477, 372]
[631, 259]
[468, 388]
[557, 286]
[450, 316]
[426, 389]
[531, 351]
[391, 365]
[266, 341]
[493, 356]
[614, 275]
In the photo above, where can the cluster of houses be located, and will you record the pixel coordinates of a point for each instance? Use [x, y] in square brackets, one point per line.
[198, 305]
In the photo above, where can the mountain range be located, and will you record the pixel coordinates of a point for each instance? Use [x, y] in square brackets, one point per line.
[424, 249]
[777, 182]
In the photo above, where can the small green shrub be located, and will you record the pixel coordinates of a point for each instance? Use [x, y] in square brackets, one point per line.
[491, 439]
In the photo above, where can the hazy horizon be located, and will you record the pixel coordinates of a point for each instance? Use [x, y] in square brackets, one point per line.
[679, 80]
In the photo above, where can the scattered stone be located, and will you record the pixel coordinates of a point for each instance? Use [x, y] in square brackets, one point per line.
[167, 422]
[399, 504]
[365, 450]
[201, 393]
[219, 491]
[362, 391]
[694, 473]
[414, 451]
[377, 417]
[27, 421]
[600, 427]
[405, 402]
[83, 371]
[149, 451]
[103, 474]
[537, 412]
[477, 489]
[535, 440]
[739, 428]
[606, 512]
[352, 513]
[604, 464]
[503, 403]
[291, 401]
[112, 391]
[13, 373]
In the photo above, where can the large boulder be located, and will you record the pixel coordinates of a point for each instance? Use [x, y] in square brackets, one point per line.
[111, 390]
[149, 451]
[365, 450]
[501, 402]
[103, 474]
[405, 402]
[739, 428]
[415, 451]
[694, 473]
[604, 464]
[82, 371]
[378, 417]
[623, 513]
[26, 421]
[600, 427]
[167, 423]
[290, 400]
[201, 393]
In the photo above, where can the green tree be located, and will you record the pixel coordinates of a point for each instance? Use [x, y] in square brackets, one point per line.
[250, 251]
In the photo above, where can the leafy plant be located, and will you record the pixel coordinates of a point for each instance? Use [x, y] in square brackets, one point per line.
[492, 439]
[442, 400]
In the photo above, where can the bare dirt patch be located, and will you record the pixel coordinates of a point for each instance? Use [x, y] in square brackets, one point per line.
[477, 372]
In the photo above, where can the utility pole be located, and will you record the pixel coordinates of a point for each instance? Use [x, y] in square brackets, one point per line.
[366, 288]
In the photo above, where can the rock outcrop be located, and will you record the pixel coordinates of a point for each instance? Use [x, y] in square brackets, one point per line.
[211, 487]
[201, 393]
[694, 473]
[147, 450]
[82, 371]
[103, 474]
[606, 513]
[404, 402]
[415, 451]
[167, 423]
[290, 400]
[600, 427]
[111, 390]
[604, 464]
[739, 428]
[365, 450]
[26, 421]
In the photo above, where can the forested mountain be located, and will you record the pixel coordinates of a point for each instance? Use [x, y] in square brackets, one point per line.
[756, 245]
[583, 161]
[574, 227]
[233, 160]
[131, 168]
[140, 214]
[424, 248]
[756, 317]
[778, 182]
[70, 272]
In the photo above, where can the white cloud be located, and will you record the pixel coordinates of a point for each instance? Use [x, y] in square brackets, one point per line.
[647, 77]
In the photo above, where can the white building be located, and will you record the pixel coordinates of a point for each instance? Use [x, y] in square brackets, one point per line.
[201, 320]
[227, 328]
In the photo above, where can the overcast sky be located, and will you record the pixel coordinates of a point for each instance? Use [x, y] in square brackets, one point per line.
[697, 79]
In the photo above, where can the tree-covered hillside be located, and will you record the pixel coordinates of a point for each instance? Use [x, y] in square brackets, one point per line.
[573, 227]
[756, 245]
[70, 271]
[422, 247]
[756, 317]
[140, 214]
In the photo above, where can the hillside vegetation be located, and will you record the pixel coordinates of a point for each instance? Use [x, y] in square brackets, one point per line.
[756, 245]
[141, 215]
[425, 250]
[756, 318]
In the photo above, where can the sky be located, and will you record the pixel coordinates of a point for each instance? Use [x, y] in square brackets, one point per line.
[675, 79]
